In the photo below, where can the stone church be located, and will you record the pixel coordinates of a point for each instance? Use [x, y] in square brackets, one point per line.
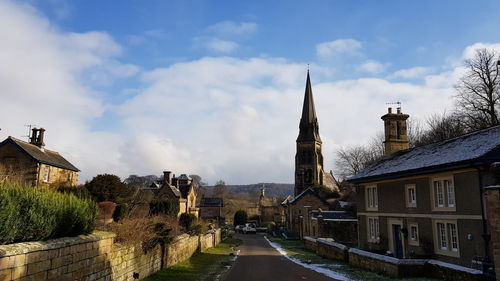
[309, 171]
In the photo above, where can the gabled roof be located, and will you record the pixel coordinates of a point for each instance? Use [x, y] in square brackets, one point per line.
[332, 215]
[40, 155]
[306, 192]
[211, 202]
[477, 148]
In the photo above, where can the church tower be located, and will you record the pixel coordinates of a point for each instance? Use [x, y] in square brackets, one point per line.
[309, 159]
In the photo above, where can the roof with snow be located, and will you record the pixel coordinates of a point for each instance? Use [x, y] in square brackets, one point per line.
[477, 148]
[211, 202]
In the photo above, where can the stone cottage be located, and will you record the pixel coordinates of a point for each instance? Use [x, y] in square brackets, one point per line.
[31, 163]
[427, 201]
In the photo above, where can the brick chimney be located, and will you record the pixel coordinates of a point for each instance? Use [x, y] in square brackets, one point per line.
[396, 136]
[37, 137]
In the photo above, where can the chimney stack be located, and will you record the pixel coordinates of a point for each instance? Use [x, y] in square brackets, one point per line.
[396, 136]
[262, 192]
[166, 177]
[37, 137]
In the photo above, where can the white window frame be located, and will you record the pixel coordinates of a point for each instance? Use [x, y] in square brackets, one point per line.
[446, 237]
[371, 198]
[46, 174]
[443, 196]
[413, 235]
[373, 229]
[411, 201]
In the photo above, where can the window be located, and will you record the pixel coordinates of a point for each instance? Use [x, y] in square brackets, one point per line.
[413, 227]
[373, 230]
[443, 194]
[371, 198]
[446, 236]
[46, 174]
[411, 195]
[70, 177]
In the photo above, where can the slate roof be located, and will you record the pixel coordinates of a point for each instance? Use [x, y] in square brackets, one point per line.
[211, 202]
[44, 156]
[477, 148]
[309, 128]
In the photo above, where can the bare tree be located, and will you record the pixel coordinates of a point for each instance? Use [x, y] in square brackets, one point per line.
[441, 127]
[351, 160]
[478, 97]
[220, 189]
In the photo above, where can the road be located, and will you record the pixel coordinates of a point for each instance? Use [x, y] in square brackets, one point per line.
[258, 261]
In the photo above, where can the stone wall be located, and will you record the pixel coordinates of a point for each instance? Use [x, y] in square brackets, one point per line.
[493, 206]
[389, 265]
[93, 257]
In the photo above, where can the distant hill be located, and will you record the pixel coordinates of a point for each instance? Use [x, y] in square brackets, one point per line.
[272, 189]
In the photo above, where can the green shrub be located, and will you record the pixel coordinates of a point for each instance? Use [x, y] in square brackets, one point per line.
[79, 191]
[169, 207]
[29, 213]
[121, 212]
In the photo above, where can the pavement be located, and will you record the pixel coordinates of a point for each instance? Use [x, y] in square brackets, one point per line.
[258, 261]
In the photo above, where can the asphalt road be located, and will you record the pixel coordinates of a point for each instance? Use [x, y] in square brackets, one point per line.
[258, 261]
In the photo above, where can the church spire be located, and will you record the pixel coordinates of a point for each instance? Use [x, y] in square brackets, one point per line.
[309, 128]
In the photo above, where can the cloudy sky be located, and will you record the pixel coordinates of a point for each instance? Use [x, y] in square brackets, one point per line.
[215, 88]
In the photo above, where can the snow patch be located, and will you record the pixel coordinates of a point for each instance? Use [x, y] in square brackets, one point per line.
[324, 269]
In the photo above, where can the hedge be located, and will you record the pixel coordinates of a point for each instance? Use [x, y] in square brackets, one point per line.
[32, 214]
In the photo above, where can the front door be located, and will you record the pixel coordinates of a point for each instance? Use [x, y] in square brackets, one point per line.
[398, 244]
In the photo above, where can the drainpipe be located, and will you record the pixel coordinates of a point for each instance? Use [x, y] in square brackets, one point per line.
[486, 236]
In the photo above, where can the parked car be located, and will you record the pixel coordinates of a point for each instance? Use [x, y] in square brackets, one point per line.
[239, 228]
[250, 228]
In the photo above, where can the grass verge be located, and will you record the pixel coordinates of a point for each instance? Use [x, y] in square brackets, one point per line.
[295, 249]
[204, 266]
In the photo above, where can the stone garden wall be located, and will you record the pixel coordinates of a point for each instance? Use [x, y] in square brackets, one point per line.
[94, 257]
[389, 265]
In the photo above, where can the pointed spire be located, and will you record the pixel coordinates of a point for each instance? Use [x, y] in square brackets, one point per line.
[309, 128]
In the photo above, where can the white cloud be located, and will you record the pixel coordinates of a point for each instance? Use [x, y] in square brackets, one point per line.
[230, 28]
[220, 46]
[338, 47]
[470, 51]
[372, 67]
[411, 73]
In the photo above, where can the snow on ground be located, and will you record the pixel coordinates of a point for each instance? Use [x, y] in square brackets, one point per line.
[320, 268]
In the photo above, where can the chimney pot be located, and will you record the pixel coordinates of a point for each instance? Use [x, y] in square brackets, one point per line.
[399, 110]
[389, 110]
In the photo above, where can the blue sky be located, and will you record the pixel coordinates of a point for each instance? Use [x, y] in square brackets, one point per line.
[215, 87]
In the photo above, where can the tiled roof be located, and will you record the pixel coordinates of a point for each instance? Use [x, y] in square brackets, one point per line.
[44, 156]
[480, 147]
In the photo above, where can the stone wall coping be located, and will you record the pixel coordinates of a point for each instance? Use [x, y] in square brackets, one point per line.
[387, 259]
[333, 244]
[493, 187]
[35, 246]
[455, 267]
[310, 239]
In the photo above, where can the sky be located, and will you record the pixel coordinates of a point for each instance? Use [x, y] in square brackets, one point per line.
[215, 88]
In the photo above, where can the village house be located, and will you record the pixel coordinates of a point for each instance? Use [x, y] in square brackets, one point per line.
[211, 209]
[31, 163]
[270, 210]
[181, 188]
[427, 202]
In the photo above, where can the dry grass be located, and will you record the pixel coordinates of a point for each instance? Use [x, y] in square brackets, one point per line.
[147, 232]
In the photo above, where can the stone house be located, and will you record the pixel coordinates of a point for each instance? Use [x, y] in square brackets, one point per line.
[181, 188]
[342, 226]
[493, 208]
[270, 210]
[298, 210]
[427, 201]
[211, 209]
[33, 164]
